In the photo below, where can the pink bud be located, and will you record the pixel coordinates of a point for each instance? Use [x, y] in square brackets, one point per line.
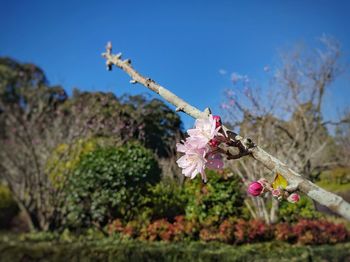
[218, 121]
[214, 142]
[276, 192]
[255, 188]
[293, 198]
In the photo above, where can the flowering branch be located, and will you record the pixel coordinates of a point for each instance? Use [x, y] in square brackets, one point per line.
[233, 141]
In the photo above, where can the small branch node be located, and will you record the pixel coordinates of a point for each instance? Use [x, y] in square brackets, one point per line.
[179, 108]
[109, 47]
[109, 65]
[133, 81]
[127, 61]
[292, 187]
[207, 111]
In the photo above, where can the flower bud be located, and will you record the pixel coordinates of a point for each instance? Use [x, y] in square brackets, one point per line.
[255, 188]
[293, 198]
[218, 121]
[214, 142]
[276, 192]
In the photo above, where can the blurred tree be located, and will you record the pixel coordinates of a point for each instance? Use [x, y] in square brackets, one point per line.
[159, 128]
[37, 118]
[29, 111]
[343, 140]
[289, 124]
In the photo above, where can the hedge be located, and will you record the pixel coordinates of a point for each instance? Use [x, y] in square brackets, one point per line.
[115, 250]
[8, 207]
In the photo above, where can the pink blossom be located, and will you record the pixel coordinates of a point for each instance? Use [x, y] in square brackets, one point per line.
[197, 148]
[218, 121]
[204, 131]
[193, 162]
[184, 146]
[255, 188]
[214, 161]
[214, 143]
[276, 192]
[293, 198]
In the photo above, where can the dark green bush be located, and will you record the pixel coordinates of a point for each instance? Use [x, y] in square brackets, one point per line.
[293, 212]
[8, 207]
[215, 201]
[110, 183]
[166, 200]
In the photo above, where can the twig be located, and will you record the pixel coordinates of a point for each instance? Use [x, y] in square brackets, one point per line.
[328, 199]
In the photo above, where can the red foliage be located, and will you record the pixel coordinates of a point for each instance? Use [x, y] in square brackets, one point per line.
[284, 232]
[239, 231]
[184, 228]
[251, 231]
[159, 229]
[226, 231]
[131, 229]
[115, 227]
[208, 234]
[319, 232]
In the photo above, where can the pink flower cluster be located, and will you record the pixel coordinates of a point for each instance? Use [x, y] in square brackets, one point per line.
[257, 188]
[200, 148]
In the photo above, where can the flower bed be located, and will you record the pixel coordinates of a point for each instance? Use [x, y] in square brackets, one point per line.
[239, 231]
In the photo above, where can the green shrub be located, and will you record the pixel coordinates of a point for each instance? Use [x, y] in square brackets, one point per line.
[8, 207]
[65, 157]
[109, 183]
[339, 175]
[336, 180]
[215, 201]
[293, 212]
[166, 200]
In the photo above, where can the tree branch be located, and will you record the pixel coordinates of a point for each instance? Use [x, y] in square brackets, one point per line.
[328, 199]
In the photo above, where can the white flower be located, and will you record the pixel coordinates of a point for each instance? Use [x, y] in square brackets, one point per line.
[204, 131]
[193, 162]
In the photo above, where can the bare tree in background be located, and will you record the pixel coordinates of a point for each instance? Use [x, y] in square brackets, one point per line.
[290, 123]
[343, 140]
[36, 118]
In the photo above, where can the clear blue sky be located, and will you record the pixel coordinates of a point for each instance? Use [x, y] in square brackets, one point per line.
[180, 44]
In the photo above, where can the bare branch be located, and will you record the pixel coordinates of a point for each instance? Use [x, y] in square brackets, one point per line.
[328, 199]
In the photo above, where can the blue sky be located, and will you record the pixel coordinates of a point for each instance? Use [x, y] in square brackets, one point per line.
[181, 44]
